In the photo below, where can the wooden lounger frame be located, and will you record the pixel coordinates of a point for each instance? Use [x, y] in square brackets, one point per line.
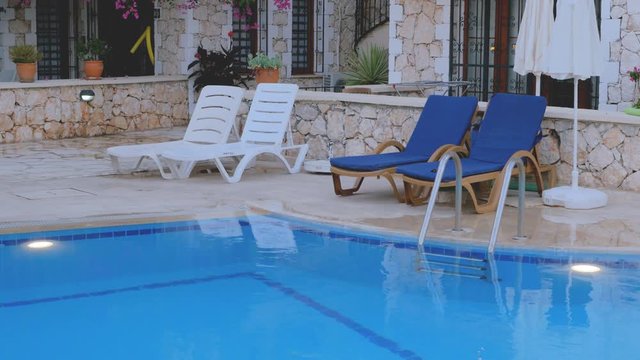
[386, 173]
[417, 190]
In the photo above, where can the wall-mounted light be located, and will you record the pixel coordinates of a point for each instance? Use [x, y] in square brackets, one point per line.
[87, 95]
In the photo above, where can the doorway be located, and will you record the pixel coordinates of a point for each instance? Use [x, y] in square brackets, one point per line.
[121, 35]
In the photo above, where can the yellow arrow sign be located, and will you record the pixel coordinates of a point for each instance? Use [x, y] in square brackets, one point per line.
[146, 35]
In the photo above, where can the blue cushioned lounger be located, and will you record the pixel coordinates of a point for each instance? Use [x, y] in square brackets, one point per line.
[509, 128]
[443, 123]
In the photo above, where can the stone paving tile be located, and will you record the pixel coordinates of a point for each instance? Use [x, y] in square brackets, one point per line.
[69, 158]
[71, 181]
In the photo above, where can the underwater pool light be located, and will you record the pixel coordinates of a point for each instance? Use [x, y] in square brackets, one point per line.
[40, 244]
[585, 268]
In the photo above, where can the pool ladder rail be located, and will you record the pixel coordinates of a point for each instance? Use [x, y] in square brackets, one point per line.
[454, 265]
[511, 164]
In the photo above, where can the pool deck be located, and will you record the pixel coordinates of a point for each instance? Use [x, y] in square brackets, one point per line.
[63, 183]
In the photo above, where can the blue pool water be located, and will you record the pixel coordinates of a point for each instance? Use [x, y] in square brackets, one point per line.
[266, 287]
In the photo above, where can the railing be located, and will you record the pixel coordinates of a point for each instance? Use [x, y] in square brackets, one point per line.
[458, 198]
[434, 194]
[369, 15]
[503, 195]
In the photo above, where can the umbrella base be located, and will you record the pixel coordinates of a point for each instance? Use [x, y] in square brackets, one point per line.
[578, 198]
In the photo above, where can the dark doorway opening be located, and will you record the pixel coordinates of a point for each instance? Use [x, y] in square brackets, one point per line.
[121, 35]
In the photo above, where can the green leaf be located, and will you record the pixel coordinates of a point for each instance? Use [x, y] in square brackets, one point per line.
[368, 66]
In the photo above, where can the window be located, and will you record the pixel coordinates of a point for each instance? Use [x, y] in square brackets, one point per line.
[302, 36]
[250, 31]
[55, 30]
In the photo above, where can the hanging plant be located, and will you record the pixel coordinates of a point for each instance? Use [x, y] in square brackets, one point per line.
[242, 8]
[17, 4]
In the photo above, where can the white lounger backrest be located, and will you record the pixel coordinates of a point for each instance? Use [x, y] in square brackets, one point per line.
[268, 118]
[214, 114]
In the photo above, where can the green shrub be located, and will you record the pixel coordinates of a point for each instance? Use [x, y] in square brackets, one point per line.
[368, 66]
[24, 54]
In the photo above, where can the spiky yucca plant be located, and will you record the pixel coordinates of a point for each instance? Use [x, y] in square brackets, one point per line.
[368, 66]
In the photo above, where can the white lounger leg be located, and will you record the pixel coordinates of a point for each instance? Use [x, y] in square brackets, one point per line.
[115, 163]
[177, 169]
[245, 161]
[302, 152]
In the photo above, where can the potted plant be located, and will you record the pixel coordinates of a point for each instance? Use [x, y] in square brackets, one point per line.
[216, 68]
[25, 57]
[267, 69]
[92, 53]
[634, 75]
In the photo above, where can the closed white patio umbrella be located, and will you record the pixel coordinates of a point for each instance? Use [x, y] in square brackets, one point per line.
[574, 53]
[534, 34]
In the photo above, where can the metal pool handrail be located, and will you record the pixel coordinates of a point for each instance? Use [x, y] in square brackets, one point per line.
[458, 198]
[503, 195]
[434, 194]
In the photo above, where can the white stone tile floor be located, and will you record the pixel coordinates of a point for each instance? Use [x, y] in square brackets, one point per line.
[63, 183]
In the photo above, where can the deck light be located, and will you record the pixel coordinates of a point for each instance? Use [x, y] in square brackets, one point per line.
[87, 95]
[40, 244]
[585, 268]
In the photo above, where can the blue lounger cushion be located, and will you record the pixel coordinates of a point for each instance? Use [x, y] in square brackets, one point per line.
[375, 162]
[444, 120]
[427, 171]
[511, 123]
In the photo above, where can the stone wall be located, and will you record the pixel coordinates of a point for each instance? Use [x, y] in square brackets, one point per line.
[607, 156]
[624, 51]
[418, 44]
[17, 27]
[169, 46]
[607, 153]
[37, 113]
[350, 128]
[343, 22]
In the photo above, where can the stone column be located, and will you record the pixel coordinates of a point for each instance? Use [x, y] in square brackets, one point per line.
[280, 37]
[629, 48]
[418, 31]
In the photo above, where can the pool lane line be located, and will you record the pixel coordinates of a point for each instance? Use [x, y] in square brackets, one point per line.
[362, 330]
[150, 286]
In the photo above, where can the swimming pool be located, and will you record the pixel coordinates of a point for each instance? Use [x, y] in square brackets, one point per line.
[269, 287]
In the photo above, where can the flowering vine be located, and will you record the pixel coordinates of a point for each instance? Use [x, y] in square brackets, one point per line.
[242, 9]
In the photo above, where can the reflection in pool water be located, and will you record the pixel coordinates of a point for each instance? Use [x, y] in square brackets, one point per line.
[267, 287]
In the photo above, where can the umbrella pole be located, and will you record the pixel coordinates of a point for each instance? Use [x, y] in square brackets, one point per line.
[574, 172]
[538, 75]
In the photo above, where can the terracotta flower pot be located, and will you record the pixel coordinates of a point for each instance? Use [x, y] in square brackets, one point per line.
[267, 75]
[26, 72]
[93, 69]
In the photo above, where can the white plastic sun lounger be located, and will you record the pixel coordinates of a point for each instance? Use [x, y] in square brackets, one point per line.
[211, 123]
[264, 131]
